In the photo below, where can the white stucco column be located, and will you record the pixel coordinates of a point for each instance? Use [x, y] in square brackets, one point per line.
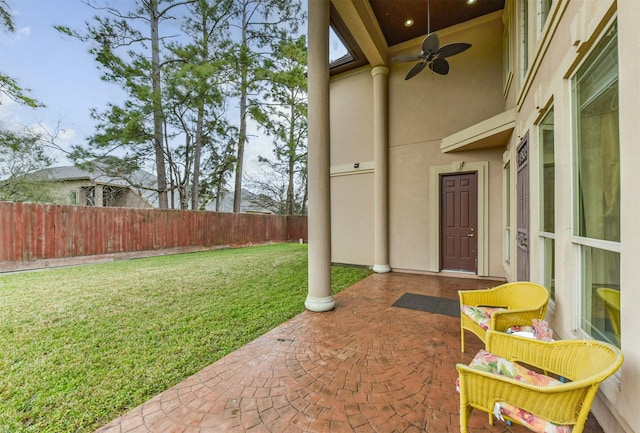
[381, 169]
[319, 297]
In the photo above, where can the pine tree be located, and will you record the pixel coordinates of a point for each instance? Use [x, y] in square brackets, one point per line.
[262, 25]
[283, 115]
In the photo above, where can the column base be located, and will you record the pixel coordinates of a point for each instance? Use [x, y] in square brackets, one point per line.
[381, 269]
[320, 305]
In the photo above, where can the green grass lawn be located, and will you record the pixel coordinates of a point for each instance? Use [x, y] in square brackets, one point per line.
[80, 346]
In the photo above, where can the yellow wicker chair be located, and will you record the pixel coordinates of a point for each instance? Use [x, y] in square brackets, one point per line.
[585, 363]
[611, 299]
[523, 301]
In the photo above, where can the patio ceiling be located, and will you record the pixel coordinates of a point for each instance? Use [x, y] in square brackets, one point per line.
[390, 17]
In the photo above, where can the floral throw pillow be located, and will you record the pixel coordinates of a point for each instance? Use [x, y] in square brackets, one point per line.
[519, 328]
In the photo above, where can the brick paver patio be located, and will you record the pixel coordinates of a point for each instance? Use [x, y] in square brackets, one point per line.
[367, 366]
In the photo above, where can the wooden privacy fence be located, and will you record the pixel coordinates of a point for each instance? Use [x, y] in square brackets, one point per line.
[36, 232]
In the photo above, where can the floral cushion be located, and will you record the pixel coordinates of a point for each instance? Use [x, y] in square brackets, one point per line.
[527, 419]
[490, 363]
[480, 315]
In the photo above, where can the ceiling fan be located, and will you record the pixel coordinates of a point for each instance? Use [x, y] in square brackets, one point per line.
[432, 54]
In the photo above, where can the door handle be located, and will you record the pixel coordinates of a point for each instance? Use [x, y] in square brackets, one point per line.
[470, 235]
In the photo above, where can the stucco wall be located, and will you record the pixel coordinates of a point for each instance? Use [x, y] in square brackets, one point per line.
[555, 57]
[351, 102]
[422, 111]
[352, 226]
[429, 106]
[629, 75]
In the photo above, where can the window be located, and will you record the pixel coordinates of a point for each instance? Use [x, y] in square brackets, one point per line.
[507, 212]
[88, 194]
[337, 49]
[506, 59]
[597, 186]
[114, 196]
[344, 53]
[544, 6]
[507, 56]
[547, 197]
[598, 319]
[524, 38]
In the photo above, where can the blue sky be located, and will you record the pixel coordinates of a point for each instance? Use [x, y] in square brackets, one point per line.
[59, 70]
[63, 75]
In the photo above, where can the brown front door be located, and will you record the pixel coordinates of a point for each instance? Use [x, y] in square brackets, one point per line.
[459, 222]
[522, 239]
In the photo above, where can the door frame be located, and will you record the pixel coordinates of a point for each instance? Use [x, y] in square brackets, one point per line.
[482, 171]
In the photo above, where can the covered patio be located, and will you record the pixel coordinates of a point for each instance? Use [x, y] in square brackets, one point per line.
[366, 366]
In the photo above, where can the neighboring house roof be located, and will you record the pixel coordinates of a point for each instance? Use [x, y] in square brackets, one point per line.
[72, 172]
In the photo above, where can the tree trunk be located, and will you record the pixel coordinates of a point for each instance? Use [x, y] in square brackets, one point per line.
[197, 155]
[292, 158]
[195, 192]
[158, 137]
[218, 196]
[242, 137]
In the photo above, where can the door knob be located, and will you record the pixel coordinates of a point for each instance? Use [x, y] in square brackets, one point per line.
[470, 235]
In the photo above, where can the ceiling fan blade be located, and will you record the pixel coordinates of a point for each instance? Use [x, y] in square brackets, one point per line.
[407, 58]
[415, 70]
[453, 49]
[430, 44]
[439, 66]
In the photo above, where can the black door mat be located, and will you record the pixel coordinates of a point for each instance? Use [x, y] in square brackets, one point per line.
[429, 304]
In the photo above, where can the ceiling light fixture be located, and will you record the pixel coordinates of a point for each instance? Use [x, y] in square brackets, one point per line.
[470, 2]
[408, 22]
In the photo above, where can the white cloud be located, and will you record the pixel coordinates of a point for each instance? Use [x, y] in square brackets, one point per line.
[260, 144]
[12, 117]
[25, 31]
[14, 37]
[63, 137]
[67, 135]
[8, 117]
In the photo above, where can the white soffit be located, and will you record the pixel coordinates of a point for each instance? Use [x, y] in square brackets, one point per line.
[493, 132]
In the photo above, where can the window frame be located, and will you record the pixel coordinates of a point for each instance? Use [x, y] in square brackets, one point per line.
[544, 235]
[578, 243]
